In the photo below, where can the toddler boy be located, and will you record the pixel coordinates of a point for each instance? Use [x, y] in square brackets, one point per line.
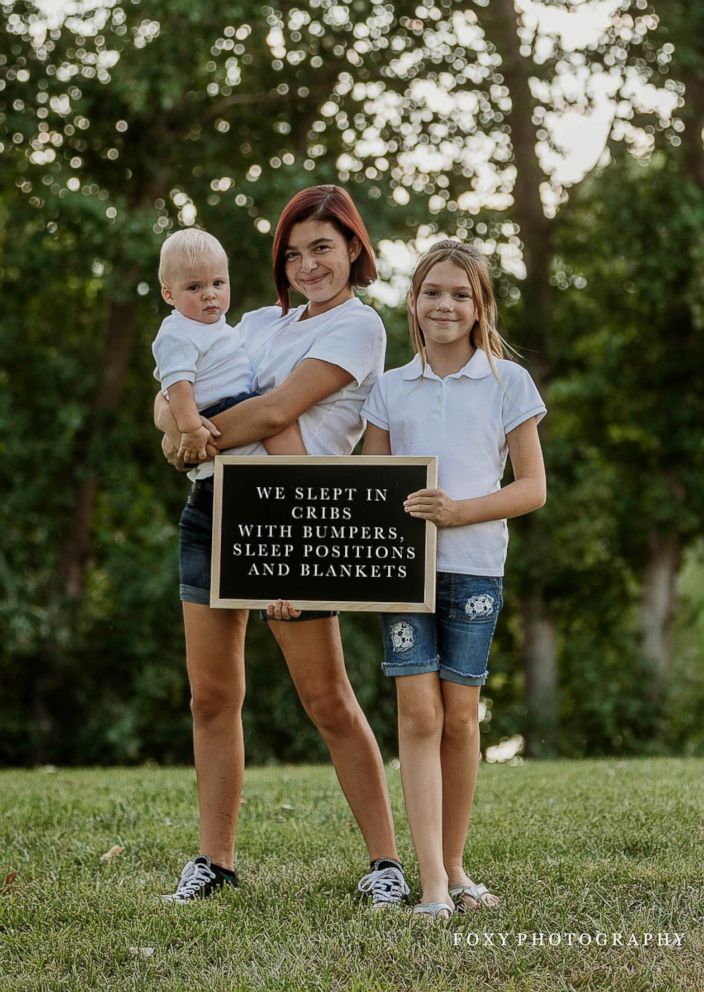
[200, 360]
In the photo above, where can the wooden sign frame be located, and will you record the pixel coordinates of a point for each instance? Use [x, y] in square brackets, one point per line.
[429, 541]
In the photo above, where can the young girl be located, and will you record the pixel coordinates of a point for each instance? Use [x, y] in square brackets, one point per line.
[460, 400]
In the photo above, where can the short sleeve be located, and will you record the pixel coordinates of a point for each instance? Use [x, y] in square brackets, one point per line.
[356, 343]
[176, 360]
[521, 399]
[375, 409]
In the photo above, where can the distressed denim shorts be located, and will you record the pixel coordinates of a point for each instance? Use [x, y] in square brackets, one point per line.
[455, 640]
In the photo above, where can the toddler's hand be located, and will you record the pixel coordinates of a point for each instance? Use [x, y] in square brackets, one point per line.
[434, 505]
[282, 610]
[210, 427]
[211, 447]
[193, 445]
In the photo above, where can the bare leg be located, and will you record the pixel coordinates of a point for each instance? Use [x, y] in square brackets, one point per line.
[460, 764]
[215, 660]
[313, 653]
[420, 723]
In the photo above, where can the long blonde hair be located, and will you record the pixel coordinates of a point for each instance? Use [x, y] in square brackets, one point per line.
[466, 257]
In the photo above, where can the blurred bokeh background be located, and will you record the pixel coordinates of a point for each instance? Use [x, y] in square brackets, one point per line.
[564, 138]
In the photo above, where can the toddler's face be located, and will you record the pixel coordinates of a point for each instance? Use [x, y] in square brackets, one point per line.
[201, 292]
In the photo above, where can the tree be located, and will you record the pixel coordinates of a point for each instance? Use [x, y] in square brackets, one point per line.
[489, 143]
[123, 121]
[116, 126]
[641, 328]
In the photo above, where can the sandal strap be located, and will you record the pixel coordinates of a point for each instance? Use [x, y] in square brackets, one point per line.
[475, 891]
[432, 909]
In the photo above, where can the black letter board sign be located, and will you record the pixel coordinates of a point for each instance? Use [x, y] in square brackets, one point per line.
[322, 533]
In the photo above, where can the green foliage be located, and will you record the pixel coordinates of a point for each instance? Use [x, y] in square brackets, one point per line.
[130, 119]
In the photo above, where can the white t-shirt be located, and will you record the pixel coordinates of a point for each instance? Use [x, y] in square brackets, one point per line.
[350, 335]
[463, 419]
[211, 356]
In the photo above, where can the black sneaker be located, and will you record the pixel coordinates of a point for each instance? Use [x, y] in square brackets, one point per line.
[199, 880]
[386, 885]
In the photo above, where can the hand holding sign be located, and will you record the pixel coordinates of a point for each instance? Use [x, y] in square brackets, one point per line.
[434, 505]
[282, 610]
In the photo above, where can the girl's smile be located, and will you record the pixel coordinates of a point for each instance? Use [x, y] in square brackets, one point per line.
[318, 262]
[446, 313]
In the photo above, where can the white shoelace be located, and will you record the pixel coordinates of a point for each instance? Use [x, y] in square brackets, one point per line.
[387, 886]
[193, 877]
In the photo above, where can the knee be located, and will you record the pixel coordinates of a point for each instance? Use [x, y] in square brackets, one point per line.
[211, 701]
[332, 710]
[461, 727]
[422, 721]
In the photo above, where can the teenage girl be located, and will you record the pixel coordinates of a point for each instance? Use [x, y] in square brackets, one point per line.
[315, 364]
[461, 400]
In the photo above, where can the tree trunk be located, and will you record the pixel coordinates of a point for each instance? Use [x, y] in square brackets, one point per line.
[540, 665]
[538, 654]
[658, 601]
[75, 545]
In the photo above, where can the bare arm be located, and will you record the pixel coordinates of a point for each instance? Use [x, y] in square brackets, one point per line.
[527, 492]
[194, 435]
[183, 406]
[267, 416]
[286, 442]
[164, 419]
[376, 441]
[263, 416]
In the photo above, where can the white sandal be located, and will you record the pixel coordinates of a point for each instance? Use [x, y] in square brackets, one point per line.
[475, 892]
[434, 910]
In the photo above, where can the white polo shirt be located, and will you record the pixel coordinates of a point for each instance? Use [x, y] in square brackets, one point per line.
[463, 419]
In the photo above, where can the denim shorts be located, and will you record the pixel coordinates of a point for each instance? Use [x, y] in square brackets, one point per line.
[225, 403]
[455, 640]
[195, 531]
[196, 525]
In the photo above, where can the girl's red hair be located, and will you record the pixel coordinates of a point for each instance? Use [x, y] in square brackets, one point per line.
[335, 205]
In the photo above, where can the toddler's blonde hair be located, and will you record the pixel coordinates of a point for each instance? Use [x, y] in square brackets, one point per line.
[468, 258]
[185, 249]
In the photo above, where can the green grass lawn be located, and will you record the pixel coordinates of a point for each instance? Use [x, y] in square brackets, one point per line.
[584, 848]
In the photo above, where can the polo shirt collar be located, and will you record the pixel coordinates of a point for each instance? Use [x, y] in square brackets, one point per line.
[476, 368]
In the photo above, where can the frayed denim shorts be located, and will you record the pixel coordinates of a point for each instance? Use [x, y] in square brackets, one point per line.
[455, 640]
[195, 527]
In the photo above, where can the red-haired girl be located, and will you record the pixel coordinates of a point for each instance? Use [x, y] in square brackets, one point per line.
[315, 364]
